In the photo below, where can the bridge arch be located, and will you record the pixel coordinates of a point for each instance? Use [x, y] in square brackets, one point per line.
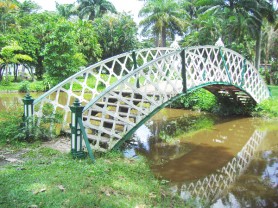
[148, 81]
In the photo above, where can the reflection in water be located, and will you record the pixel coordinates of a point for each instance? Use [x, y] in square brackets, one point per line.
[212, 165]
[213, 185]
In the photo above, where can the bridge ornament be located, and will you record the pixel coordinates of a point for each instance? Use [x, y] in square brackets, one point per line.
[122, 92]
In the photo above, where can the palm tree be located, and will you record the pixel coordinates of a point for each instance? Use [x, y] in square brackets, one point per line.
[10, 55]
[270, 37]
[7, 10]
[94, 8]
[251, 11]
[162, 17]
[264, 10]
[66, 10]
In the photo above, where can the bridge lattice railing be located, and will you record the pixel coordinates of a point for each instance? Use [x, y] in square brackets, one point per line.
[210, 64]
[146, 89]
[142, 82]
[91, 81]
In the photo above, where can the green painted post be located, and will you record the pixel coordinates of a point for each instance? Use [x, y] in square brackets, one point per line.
[135, 67]
[28, 102]
[183, 71]
[76, 134]
[28, 106]
[243, 72]
[225, 65]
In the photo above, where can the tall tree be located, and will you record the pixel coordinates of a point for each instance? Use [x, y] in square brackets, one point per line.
[270, 45]
[7, 10]
[116, 33]
[28, 7]
[264, 10]
[164, 19]
[11, 55]
[248, 13]
[66, 10]
[92, 9]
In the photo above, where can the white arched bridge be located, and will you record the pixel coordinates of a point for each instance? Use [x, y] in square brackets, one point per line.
[123, 92]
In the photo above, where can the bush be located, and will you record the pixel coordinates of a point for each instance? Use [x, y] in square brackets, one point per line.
[228, 107]
[267, 108]
[5, 82]
[10, 121]
[24, 87]
[37, 86]
[13, 129]
[199, 99]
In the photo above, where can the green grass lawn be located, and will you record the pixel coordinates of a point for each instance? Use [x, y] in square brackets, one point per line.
[51, 179]
[274, 91]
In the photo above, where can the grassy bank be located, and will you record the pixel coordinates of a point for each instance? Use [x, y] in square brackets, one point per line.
[268, 108]
[48, 178]
[274, 91]
[35, 86]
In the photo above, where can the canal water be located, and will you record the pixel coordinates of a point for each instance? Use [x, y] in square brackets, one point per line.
[221, 162]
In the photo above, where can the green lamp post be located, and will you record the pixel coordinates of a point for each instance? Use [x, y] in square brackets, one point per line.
[76, 134]
[28, 113]
[28, 108]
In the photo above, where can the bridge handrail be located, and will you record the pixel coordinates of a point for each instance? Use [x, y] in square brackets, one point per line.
[37, 100]
[187, 49]
[103, 93]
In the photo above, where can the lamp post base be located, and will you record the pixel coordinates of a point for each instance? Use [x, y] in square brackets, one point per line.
[78, 154]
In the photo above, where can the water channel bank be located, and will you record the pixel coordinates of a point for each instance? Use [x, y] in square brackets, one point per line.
[225, 162]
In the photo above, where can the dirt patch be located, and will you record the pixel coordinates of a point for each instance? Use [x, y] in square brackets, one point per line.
[11, 156]
[62, 144]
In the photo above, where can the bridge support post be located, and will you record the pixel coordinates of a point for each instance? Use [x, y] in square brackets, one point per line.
[135, 67]
[243, 72]
[28, 102]
[76, 134]
[183, 71]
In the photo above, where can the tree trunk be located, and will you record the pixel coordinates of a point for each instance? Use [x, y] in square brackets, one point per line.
[163, 37]
[157, 40]
[39, 68]
[258, 48]
[1, 73]
[271, 81]
[15, 71]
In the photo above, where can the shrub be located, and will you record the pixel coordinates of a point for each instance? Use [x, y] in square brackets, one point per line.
[37, 86]
[6, 82]
[13, 128]
[199, 99]
[10, 121]
[267, 108]
[24, 86]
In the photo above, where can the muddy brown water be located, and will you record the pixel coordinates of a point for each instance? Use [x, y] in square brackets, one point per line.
[222, 162]
[233, 163]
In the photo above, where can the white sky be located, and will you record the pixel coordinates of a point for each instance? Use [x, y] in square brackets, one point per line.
[132, 6]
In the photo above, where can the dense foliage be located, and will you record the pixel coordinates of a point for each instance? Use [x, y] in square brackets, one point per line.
[116, 34]
[54, 45]
[13, 127]
[82, 33]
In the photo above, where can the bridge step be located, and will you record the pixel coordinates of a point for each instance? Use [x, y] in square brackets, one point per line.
[231, 91]
[103, 141]
[135, 101]
[121, 114]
